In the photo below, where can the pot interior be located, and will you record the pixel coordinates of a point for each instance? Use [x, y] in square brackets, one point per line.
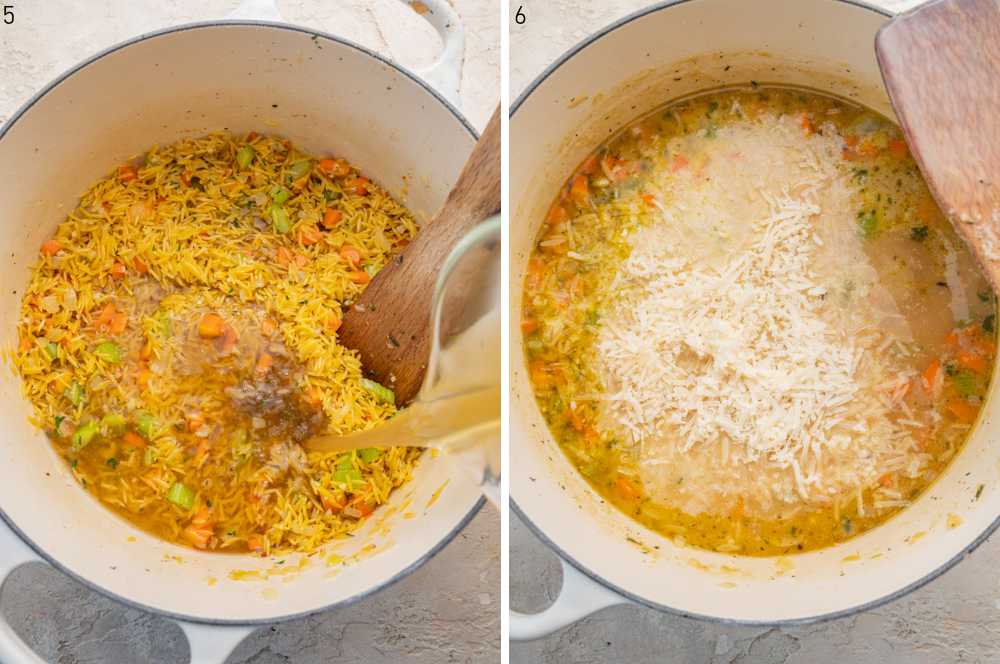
[325, 96]
[646, 61]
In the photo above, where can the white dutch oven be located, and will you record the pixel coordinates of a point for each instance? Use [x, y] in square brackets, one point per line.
[641, 62]
[326, 95]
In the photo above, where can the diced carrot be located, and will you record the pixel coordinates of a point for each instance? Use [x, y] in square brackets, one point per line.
[931, 378]
[575, 420]
[350, 254]
[143, 376]
[952, 339]
[229, 337]
[331, 218]
[535, 273]
[886, 480]
[284, 256]
[132, 439]
[333, 323]
[360, 186]
[529, 325]
[332, 504]
[195, 421]
[806, 123]
[211, 326]
[335, 167]
[252, 136]
[309, 235]
[648, 199]
[25, 343]
[199, 534]
[868, 148]
[541, 376]
[111, 320]
[962, 410]
[186, 177]
[118, 271]
[580, 190]
[679, 162]
[314, 397]
[255, 543]
[127, 173]
[268, 326]
[358, 277]
[590, 165]
[362, 506]
[557, 214]
[140, 265]
[971, 361]
[51, 247]
[898, 148]
[264, 363]
[625, 488]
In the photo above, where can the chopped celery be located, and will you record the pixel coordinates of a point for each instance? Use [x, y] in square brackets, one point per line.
[52, 349]
[300, 168]
[279, 195]
[108, 352]
[244, 156]
[181, 495]
[113, 423]
[348, 476]
[75, 394]
[83, 435]
[369, 454]
[280, 219]
[380, 392]
[146, 425]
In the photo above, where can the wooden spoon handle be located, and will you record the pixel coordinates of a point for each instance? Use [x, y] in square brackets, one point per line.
[941, 66]
[389, 325]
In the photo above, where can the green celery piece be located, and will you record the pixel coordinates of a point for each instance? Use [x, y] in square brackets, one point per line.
[379, 391]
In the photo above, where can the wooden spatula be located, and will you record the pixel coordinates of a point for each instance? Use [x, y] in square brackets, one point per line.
[941, 66]
[389, 325]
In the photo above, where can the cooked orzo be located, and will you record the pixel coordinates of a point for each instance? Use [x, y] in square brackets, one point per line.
[178, 340]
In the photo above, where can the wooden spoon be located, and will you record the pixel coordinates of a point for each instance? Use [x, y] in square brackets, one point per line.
[941, 67]
[389, 325]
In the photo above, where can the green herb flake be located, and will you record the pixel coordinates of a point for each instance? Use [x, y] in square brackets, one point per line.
[74, 393]
[965, 383]
[979, 490]
[919, 233]
[83, 435]
[990, 322]
[112, 463]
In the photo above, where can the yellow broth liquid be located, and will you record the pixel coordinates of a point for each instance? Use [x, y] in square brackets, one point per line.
[906, 239]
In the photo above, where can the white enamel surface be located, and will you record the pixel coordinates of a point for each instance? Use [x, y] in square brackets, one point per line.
[823, 44]
[330, 99]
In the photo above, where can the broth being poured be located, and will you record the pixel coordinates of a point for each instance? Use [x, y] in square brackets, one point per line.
[749, 326]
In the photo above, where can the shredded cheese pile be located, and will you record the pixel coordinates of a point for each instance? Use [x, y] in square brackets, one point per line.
[728, 342]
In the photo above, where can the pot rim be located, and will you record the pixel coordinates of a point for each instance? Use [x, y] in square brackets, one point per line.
[432, 551]
[597, 578]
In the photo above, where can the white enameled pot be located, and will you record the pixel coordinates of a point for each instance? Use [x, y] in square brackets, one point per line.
[327, 96]
[662, 53]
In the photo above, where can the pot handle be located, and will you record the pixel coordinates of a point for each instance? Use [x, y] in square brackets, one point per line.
[210, 644]
[444, 74]
[579, 597]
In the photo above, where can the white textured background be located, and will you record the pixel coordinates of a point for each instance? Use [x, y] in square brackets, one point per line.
[954, 619]
[447, 611]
